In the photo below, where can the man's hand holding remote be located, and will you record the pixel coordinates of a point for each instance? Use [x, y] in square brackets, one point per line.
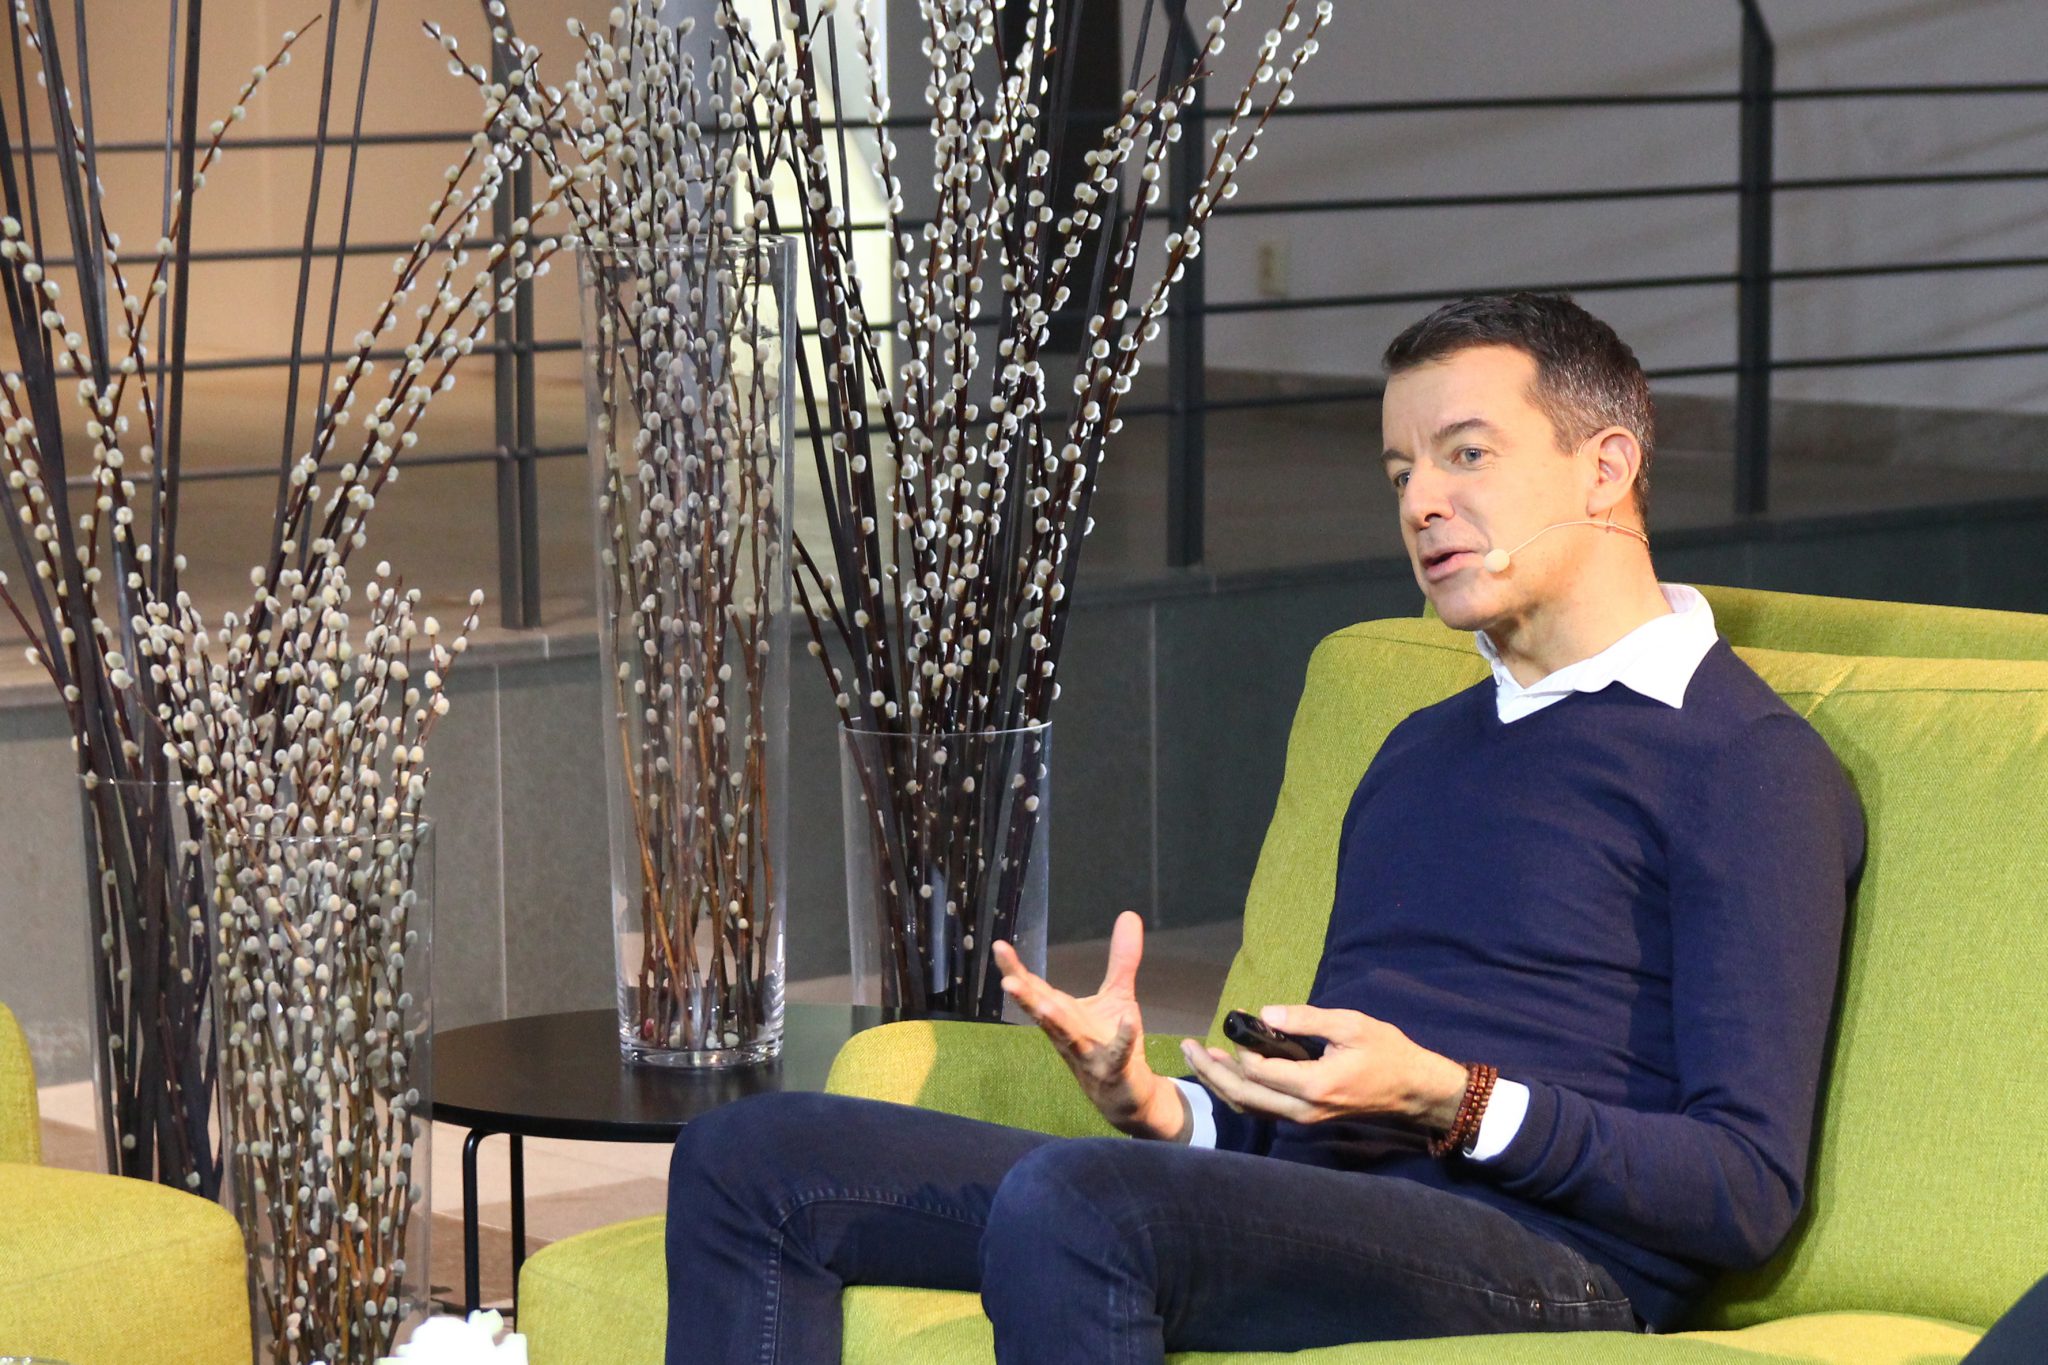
[1101, 1037]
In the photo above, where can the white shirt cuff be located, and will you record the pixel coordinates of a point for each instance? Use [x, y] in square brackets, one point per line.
[1506, 1107]
[1202, 1112]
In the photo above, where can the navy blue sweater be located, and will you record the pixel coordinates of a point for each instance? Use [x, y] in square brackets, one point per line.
[1636, 911]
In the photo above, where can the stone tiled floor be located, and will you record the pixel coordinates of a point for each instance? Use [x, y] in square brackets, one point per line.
[573, 1186]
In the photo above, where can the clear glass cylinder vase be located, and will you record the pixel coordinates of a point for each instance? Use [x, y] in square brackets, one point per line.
[946, 851]
[689, 354]
[323, 990]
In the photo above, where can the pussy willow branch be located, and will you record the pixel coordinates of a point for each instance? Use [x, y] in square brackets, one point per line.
[954, 565]
[312, 818]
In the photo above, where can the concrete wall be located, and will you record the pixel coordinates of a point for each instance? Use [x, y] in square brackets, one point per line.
[1168, 753]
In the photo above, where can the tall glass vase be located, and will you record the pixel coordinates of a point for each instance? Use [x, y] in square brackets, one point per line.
[324, 994]
[689, 349]
[946, 852]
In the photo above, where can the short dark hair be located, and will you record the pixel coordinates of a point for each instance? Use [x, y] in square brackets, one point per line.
[1587, 378]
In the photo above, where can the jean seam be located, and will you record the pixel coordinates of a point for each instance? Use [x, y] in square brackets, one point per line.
[1594, 1273]
[1148, 1269]
[1394, 1263]
[1110, 1288]
[798, 1203]
[771, 1331]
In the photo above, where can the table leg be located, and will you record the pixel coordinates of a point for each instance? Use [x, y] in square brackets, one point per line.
[472, 1270]
[518, 1213]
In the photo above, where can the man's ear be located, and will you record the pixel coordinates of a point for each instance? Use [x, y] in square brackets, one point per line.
[1617, 456]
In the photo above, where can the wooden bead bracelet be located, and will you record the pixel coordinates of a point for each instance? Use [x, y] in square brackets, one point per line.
[1479, 1079]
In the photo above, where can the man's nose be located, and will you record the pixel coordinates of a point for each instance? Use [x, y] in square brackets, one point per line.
[1425, 497]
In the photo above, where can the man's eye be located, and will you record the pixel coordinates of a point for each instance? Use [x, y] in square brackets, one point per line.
[1400, 480]
[1473, 451]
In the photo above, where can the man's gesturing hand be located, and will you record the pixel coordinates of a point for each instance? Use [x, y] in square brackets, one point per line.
[1370, 1068]
[1101, 1036]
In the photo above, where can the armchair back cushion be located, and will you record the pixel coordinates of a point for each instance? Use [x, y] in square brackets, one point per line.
[21, 1134]
[1926, 1195]
[1854, 625]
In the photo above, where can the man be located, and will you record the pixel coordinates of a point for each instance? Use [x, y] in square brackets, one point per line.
[1576, 984]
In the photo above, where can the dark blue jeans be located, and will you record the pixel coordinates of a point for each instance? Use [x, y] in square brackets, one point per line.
[1103, 1250]
[2020, 1337]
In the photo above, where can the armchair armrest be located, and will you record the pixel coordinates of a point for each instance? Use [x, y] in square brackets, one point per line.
[1001, 1073]
[21, 1136]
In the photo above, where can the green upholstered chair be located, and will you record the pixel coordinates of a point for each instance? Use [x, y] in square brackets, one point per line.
[103, 1270]
[1927, 1213]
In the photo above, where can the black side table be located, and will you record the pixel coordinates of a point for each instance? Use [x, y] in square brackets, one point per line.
[561, 1076]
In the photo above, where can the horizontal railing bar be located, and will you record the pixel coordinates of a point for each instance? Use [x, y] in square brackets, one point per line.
[275, 362]
[1844, 362]
[1839, 362]
[326, 251]
[1358, 395]
[1448, 201]
[1322, 109]
[1624, 192]
[276, 142]
[1831, 272]
[272, 362]
[1264, 400]
[232, 472]
[1323, 301]
[1355, 395]
[1957, 89]
[1604, 100]
[1863, 182]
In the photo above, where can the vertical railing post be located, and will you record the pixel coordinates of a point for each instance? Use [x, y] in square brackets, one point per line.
[1754, 268]
[525, 424]
[1186, 348]
[512, 409]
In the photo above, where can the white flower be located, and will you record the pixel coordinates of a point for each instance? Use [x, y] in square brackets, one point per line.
[453, 1341]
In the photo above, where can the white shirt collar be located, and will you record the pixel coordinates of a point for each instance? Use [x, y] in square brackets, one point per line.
[1657, 659]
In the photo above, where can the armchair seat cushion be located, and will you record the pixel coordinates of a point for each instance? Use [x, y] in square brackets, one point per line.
[599, 1299]
[102, 1270]
[941, 1327]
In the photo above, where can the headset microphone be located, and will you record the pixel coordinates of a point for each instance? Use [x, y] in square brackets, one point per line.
[1497, 560]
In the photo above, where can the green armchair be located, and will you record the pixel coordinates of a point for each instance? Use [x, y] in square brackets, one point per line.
[1927, 1215]
[102, 1270]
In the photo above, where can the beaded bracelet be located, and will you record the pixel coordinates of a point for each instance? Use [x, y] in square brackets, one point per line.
[1479, 1079]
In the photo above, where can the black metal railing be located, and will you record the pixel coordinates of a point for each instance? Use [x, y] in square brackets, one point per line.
[1755, 191]
[514, 345]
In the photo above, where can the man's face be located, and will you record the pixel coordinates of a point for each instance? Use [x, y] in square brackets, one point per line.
[1475, 465]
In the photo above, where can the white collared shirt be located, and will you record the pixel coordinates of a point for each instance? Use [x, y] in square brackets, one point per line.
[1656, 659]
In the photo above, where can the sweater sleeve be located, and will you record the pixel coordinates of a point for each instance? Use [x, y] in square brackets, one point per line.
[1236, 1131]
[1760, 875]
